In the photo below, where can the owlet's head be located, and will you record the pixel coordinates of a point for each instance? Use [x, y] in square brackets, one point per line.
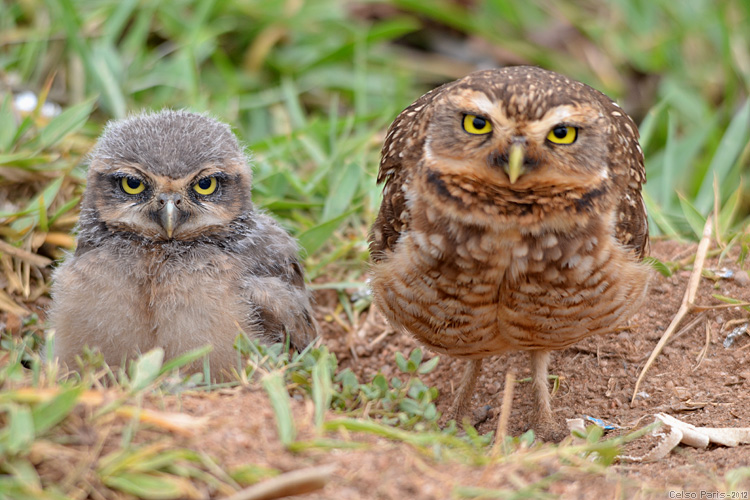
[170, 175]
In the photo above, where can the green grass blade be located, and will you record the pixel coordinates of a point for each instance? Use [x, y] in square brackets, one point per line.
[730, 300]
[273, 383]
[97, 70]
[648, 125]
[49, 414]
[343, 190]
[63, 124]
[153, 486]
[7, 123]
[315, 237]
[658, 265]
[117, 21]
[185, 359]
[659, 217]
[26, 477]
[293, 105]
[43, 220]
[322, 389]
[728, 212]
[731, 145]
[669, 173]
[19, 433]
[693, 217]
[64, 208]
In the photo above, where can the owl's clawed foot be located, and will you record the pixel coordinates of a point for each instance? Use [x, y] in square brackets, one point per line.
[475, 417]
[548, 429]
[544, 424]
[462, 403]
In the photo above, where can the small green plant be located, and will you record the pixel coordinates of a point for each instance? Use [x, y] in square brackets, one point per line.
[407, 403]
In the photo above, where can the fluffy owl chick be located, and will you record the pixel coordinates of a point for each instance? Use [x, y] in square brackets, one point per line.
[171, 252]
[512, 219]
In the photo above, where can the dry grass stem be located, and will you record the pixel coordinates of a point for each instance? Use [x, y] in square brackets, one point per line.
[687, 327]
[502, 422]
[698, 308]
[24, 255]
[7, 304]
[703, 352]
[687, 305]
[717, 211]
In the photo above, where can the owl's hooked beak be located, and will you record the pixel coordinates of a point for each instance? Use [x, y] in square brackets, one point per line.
[168, 212]
[516, 160]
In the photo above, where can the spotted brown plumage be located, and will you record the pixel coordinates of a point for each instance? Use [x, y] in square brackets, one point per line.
[527, 237]
[171, 252]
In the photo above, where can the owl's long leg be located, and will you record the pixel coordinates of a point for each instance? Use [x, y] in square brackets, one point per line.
[543, 422]
[462, 403]
[540, 386]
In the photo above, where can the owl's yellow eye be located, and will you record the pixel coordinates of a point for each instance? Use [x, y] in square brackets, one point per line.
[205, 186]
[131, 185]
[562, 134]
[477, 125]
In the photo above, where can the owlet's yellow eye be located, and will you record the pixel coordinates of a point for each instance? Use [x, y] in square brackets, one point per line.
[562, 134]
[205, 186]
[477, 125]
[131, 185]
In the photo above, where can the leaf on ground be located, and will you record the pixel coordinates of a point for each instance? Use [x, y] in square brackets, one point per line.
[145, 369]
[660, 266]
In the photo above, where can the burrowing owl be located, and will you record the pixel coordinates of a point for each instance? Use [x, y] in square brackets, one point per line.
[171, 252]
[512, 219]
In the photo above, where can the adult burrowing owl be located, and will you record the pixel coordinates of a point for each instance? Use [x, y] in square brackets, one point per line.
[171, 252]
[512, 219]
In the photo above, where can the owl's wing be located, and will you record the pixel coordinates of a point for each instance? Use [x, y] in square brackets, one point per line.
[631, 227]
[285, 309]
[401, 152]
[274, 286]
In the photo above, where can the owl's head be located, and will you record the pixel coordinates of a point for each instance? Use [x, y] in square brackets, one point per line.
[170, 175]
[517, 139]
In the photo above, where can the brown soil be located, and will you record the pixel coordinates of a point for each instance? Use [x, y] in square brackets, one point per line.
[597, 377]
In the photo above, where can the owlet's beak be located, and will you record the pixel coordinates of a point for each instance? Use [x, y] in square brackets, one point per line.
[168, 213]
[515, 161]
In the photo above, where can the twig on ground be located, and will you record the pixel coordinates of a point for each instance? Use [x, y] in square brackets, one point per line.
[296, 482]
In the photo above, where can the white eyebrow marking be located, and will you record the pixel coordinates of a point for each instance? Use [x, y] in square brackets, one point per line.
[560, 114]
[484, 105]
[564, 113]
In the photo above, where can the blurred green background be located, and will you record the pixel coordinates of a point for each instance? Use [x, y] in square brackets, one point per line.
[311, 86]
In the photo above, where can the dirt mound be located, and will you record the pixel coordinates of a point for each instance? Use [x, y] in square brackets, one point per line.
[696, 378]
